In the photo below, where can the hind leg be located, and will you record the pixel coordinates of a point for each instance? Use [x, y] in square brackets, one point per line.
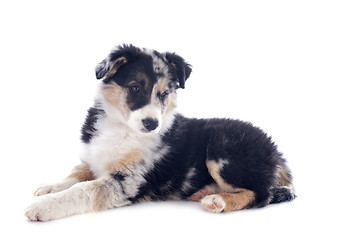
[226, 202]
[231, 198]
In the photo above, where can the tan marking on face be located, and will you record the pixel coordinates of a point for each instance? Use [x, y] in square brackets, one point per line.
[143, 80]
[239, 199]
[82, 172]
[130, 158]
[162, 85]
[116, 96]
[172, 102]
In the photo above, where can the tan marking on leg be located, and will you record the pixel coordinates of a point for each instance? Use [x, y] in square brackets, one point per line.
[239, 199]
[82, 172]
[213, 168]
[106, 195]
[101, 196]
[234, 198]
[130, 158]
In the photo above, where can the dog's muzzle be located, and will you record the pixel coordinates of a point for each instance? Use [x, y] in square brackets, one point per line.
[150, 124]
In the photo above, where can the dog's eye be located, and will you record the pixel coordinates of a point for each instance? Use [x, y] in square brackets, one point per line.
[134, 89]
[163, 95]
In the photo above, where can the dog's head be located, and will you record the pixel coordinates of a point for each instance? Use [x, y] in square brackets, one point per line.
[141, 85]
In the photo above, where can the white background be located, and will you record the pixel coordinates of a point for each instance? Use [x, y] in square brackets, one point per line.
[278, 64]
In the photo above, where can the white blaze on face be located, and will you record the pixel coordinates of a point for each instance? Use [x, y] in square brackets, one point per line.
[154, 110]
[150, 111]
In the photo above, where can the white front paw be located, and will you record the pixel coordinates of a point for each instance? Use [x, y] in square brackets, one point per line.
[44, 209]
[45, 189]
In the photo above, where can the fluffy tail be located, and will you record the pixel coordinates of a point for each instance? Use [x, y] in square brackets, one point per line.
[282, 194]
[284, 191]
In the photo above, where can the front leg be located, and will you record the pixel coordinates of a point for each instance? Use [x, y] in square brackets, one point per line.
[80, 173]
[100, 194]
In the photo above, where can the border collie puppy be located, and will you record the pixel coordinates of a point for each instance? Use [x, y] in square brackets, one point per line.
[136, 147]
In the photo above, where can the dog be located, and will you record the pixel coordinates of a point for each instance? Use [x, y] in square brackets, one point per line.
[136, 147]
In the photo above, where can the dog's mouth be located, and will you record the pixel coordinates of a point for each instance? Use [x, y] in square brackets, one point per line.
[146, 120]
[146, 131]
[143, 130]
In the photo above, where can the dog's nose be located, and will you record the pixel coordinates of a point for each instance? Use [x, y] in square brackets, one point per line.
[150, 124]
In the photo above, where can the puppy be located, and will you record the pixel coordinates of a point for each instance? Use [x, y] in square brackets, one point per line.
[136, 147]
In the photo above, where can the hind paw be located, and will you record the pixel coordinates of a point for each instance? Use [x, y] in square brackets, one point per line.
[213, 203]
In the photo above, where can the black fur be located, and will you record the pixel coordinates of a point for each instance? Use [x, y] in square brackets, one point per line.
[88, 128]
[249, 158]
[250, 154]
[130, 52]
[137, 148]
[131, 75]
[188, 151]
[179, 68]
[282, 194]
[138, 61]
[120, 177]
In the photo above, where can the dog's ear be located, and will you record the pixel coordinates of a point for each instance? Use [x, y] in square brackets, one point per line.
[179, 67]
[108, 67]
[117, 58]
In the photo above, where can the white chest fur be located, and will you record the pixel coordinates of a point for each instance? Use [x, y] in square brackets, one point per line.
[114, 141]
